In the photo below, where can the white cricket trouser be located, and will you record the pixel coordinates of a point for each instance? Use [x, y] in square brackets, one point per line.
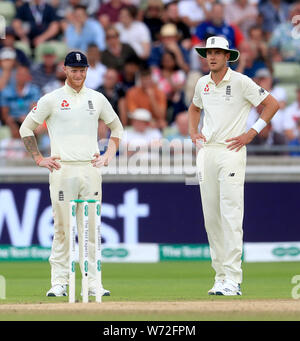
[221, 176]
[74, 180]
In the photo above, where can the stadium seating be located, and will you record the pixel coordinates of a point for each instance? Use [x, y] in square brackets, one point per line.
[24, 47]
[8, 11]
[287, 75]
[287, 71]
[59, 46]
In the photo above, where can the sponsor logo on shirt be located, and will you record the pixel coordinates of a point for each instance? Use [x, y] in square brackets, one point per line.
[206, 90]
[65, 105]
[34, 108]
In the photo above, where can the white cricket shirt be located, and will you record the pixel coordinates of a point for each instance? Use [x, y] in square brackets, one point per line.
[226, 105]
[72, 121]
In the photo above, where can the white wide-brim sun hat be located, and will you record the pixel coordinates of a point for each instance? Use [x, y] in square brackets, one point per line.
[216, 42]
[141, 115]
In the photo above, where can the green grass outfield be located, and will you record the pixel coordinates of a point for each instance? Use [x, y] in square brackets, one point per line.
[158, 286]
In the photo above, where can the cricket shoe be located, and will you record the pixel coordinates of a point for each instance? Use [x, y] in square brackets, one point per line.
[229, 288]
[92, 292]
[57, 290]
[217, 287]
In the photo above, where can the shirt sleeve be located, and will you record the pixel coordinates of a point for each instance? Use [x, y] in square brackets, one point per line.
[42, 110]
[197, 100]
[253, 93]
[107, 113]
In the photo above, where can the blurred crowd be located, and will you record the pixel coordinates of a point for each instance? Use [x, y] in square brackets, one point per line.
[142, 58]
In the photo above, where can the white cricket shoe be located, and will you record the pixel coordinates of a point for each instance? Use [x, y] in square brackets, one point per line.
[229, 288]
[92, 292]
[217, 287]
[58, 290]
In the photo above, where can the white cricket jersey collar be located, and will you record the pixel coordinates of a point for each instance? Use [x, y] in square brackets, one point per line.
[72, 91]
[225, 78]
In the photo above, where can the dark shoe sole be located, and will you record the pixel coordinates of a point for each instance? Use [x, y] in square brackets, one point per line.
[219, 293]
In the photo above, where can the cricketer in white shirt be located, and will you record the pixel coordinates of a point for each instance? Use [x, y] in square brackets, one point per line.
[72, 114]
[226, 97]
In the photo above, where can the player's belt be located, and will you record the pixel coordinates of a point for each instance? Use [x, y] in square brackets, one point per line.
[75, 163]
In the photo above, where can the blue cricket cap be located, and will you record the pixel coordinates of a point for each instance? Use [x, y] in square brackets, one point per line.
[76, 58]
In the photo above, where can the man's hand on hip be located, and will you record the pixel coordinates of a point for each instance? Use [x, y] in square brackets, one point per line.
[240, 141]
[49, 162]
[197, 138]
[100, 160]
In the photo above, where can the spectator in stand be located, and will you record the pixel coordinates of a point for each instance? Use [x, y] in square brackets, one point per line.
[283, 44]
[116, 53]
[152, 17]
[292, 117]
[169, 40]
[58, 82]
[140, 136]
[9, 41]
[36, 22]
[241, 13]
[172, 16]
[82, 31]
[295, 143]
[130, 70]
[146, 95]
[181, 131]
[44, 72]
[257, 42]
[264, 78]
[64, 8]
[216, 26]
[199, 68]
[171, 80]
[113, 90]
[193, 12]
[18, 99]
[133, 32]
[249, 63]
[273, 13]
[178, 136]
[109, 12]
[8, 65]
[96, 70]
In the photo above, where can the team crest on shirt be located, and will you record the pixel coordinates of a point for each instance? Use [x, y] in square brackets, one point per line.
[65, 105]
[34, 108]
[227, 95]
[91, 108]
[261, 91]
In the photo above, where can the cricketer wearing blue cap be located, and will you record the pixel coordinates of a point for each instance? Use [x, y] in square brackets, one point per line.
[72, 114]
